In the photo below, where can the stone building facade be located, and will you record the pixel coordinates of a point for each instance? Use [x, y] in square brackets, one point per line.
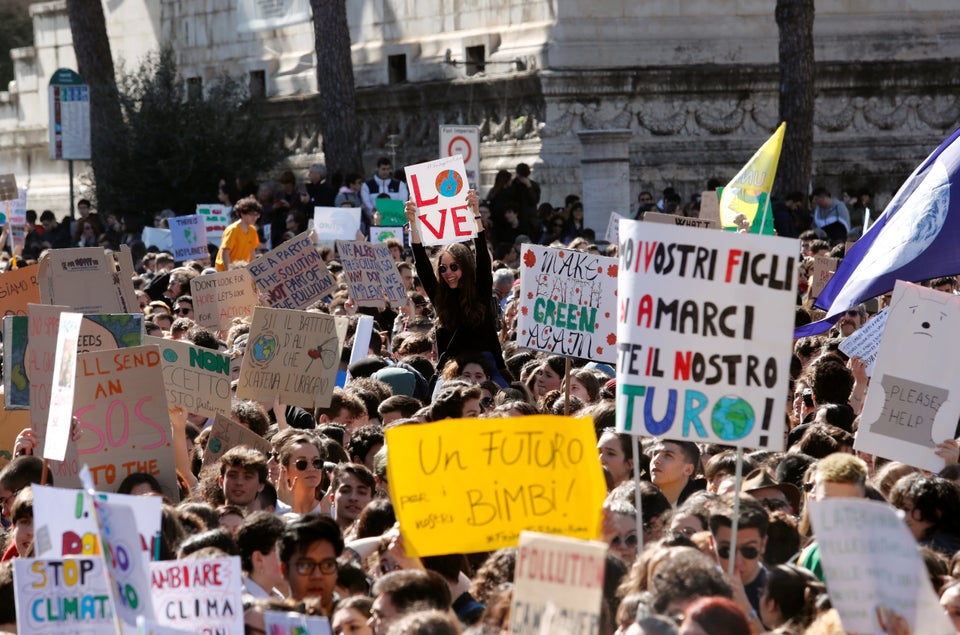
[686, 89]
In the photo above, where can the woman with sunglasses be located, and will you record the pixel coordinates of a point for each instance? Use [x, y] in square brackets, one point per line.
[460, 290]
[301, 472]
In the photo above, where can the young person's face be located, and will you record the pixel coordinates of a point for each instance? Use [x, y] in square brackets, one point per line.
[473, 372]
[471, 408]
[748, 554]
[304, 454]
[578, 390]
[268, 566]
[240, 485]
[350, 497]
[449, 270]
[547, 380]
[305, 572]
[613, 457]
[668, 465]
[23, 535]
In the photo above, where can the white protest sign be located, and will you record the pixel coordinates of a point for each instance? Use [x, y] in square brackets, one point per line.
[157, 237]
[194, 377]
[612, 234]
[463, 141]
[215, 219]
[372, 276]
[865, 341]
[440, 190]
[568, 302]
[565, 571]
[17, 212]
[59, 596]
[61, 398]
[219, 298]
[64, 524]
[383, 234]
[873, 568]
[336, 223]
[913, 402]
[152, 627]
[188, 235]
[292, 276]
[201, 595]
[284, 623]
[704, 334]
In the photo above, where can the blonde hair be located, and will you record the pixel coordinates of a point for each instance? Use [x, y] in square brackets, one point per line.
[841, 467]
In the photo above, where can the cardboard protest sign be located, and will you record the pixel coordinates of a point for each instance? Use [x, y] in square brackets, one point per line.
[8, 187]
[18, 288]
[873, 568]
[31, 360]
[194, 377]
[823, 269]
[11, 423]
[215, 220]
[383, 234]
[565, 571]
[372, 276]
[64, 524]
[225, 434]
[710, 206]
[281, 623]
[292, 276]
[440, 189]
[568, 302]
[127, 574]
[202, 595]
[294, 354]
[462, 486]
[126, 426]
[912, 403]
[684, 221]
[704, 333]
[865, 341]
[220, 297]
[60, 412]
[391, 212]
[158, 237]
[57, 596]
[86, 280]
[188, 235]
[336, 223]
[612, 235]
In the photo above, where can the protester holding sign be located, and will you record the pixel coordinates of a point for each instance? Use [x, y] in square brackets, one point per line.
[460, 290]
[240, 238]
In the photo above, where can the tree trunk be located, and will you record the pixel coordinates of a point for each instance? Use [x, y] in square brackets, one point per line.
[338, 106]
[88, 28]
[795, 22]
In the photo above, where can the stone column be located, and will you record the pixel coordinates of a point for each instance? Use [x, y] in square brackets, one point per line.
[605, 171]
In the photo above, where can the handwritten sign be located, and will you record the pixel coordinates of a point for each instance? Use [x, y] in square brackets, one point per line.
[158, 237]
[86, 280]
[294, 354]
[440, 189]
[124, 418]
[189, 237]
[219, 298]
[704, 332]
[65, 525]
[194, 377]
[612, 235]
[202, 595]
[912, 403]
[17, 208]
[462, 486]
[56, 596]
[684, 221]
[215, 220]
[18, 288]
[391, 212]
[865, 341]
[568, 303]
[61, 400]
[292, 276]
[11, 423]
[823, 269]
[372, 276]
[565, 571]
[872, 568]
[225, 434]
[336, 223]
[290, 623]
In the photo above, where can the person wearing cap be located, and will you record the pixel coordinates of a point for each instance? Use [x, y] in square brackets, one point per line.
[771, 494]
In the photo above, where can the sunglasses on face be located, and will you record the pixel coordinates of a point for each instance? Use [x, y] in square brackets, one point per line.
[182, 310]
[454, 267]
[748, 552]
[630, 541]
[301, 464]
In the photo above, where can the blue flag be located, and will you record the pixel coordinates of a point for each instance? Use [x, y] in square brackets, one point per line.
[916, 238]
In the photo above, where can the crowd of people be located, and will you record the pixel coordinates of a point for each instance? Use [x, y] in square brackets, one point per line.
[313, 521]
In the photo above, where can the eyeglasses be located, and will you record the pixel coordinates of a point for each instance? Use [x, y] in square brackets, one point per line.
[630, 541]
[748, 552]
[182, 310]
[454, 267]
[301, 464]
[307, 567]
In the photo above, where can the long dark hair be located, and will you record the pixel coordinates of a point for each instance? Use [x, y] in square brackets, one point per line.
[468, 306]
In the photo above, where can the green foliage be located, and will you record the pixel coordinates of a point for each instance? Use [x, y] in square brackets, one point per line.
[172, 150]
[16, 30]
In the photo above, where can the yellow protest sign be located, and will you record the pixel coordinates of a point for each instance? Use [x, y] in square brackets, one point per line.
[466, 485]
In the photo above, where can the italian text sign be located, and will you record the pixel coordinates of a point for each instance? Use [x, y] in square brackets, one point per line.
[292, 276]
[440, 189]
[18, 288]
[201, 595]
[194, 377]
[56, 596]
[462, 486]
[372, 276]
[704, 333]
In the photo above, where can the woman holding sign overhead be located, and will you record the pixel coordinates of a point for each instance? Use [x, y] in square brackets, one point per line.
[460, 289]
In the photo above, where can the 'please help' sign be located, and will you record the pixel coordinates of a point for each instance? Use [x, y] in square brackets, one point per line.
[440, 191]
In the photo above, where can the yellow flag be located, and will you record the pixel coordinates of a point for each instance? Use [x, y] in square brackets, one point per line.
[742, 194]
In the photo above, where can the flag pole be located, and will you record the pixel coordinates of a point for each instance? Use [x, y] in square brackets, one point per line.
[638, 499]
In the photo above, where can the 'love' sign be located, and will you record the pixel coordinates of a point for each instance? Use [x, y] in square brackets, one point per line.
[440, 191]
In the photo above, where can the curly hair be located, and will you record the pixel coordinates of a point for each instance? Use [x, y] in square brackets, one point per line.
[470, 307]
[498, 569]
